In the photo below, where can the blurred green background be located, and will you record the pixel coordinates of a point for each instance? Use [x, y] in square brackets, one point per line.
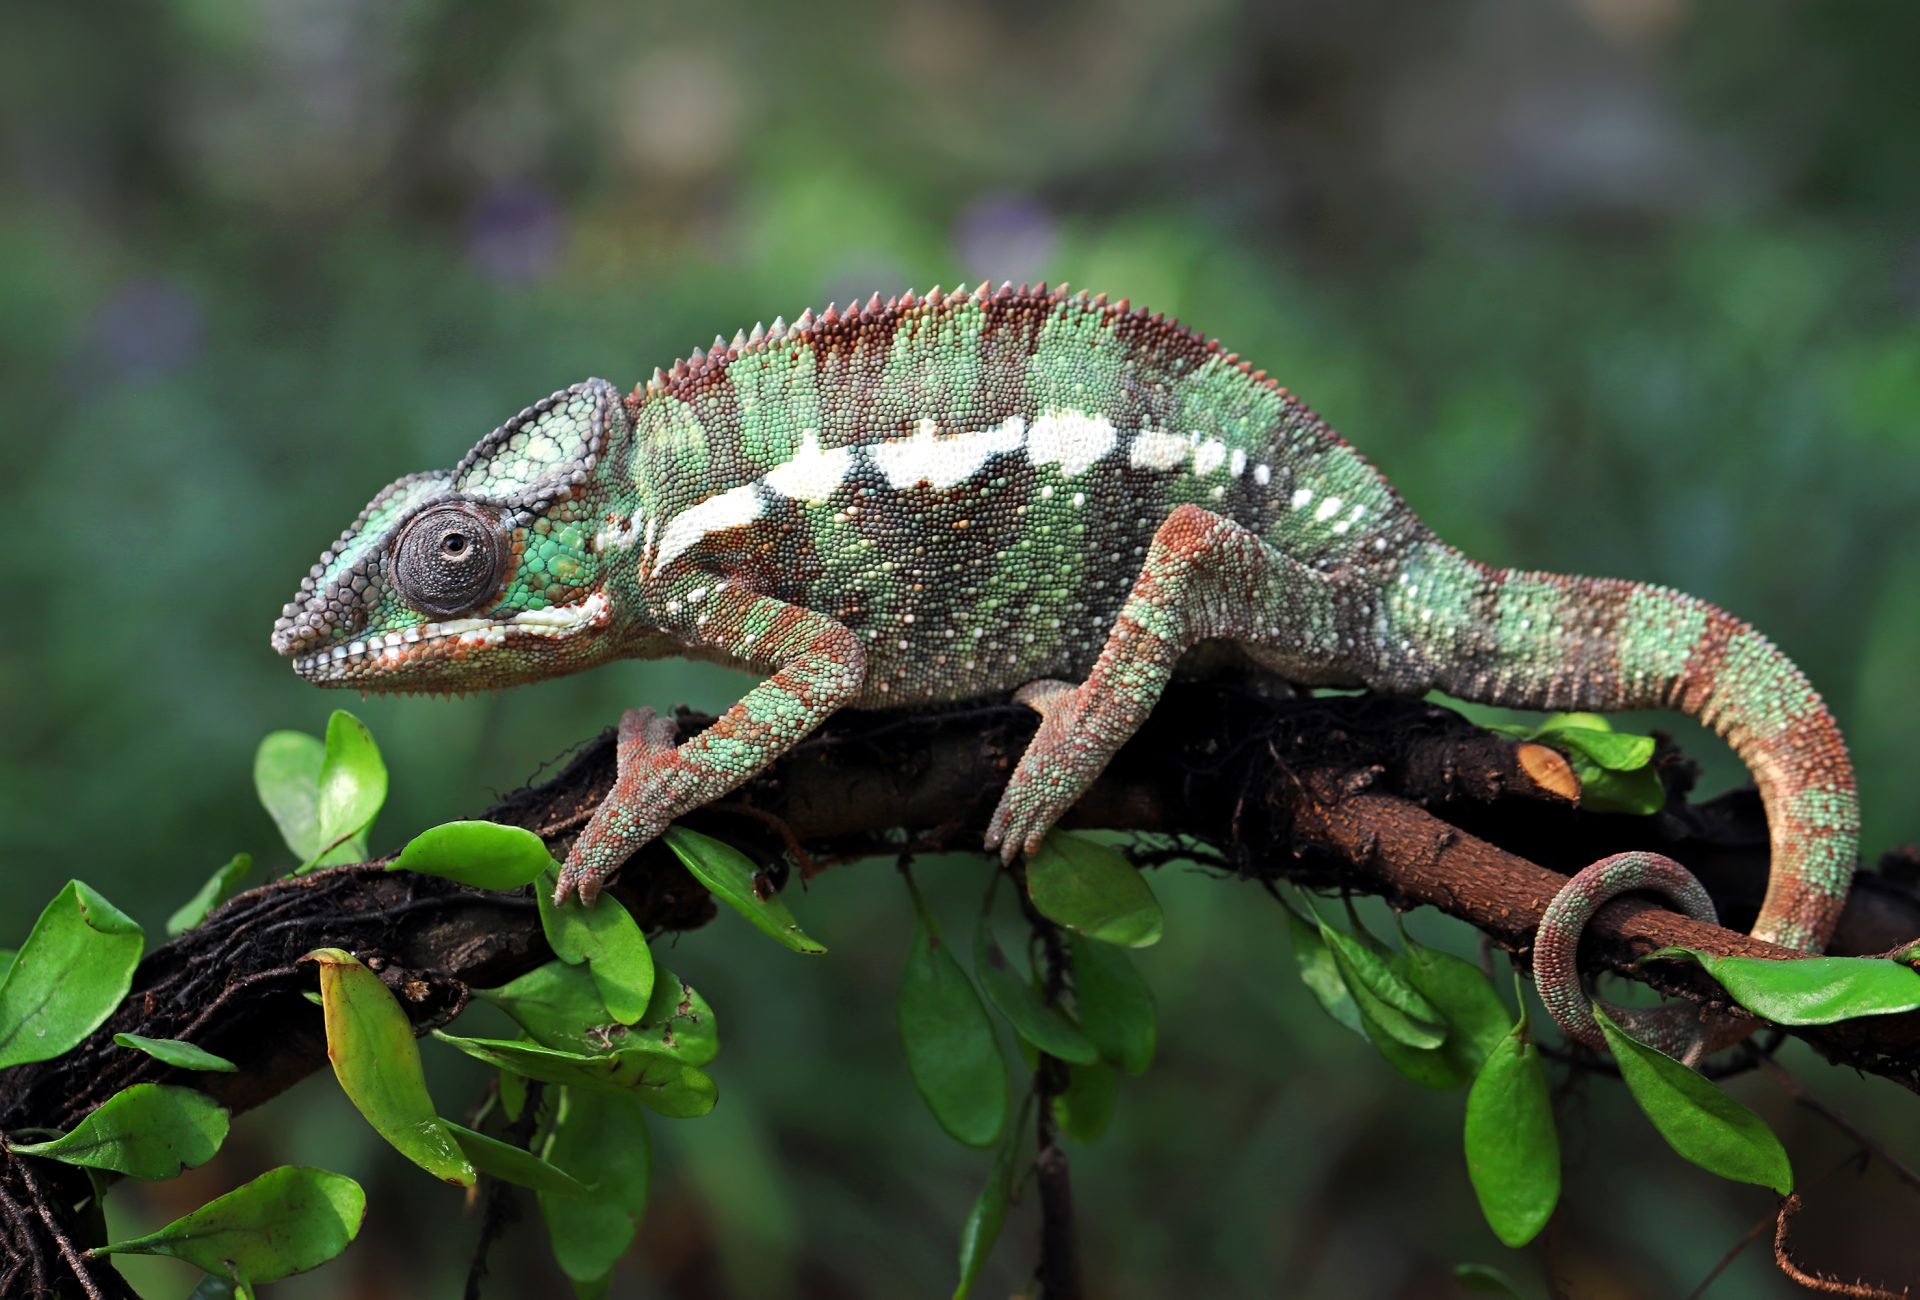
[1615, 286]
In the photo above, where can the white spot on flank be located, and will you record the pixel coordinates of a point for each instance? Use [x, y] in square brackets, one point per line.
[813, 472]
[1327, 509]
[1073, 440]
[1046, 492]
[1157, 449]
[1262, 474]
[1209, 456]
[734, 508]
[1300, 498]
[1237, 463]
[944, 460]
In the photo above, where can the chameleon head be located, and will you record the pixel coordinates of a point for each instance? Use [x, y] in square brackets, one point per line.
[484, 575]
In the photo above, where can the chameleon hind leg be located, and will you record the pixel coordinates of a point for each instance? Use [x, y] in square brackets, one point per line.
[1204, 577]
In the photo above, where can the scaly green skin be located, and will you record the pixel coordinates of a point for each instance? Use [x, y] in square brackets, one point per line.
[959, 495]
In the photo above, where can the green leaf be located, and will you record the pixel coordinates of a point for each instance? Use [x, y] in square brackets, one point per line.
[286, 776]
[608, 939]
[602, 1142]
[1320, 973]
[1387, 1002]
[1486, 1279]
[1809, 990]
[370, 1042]
[352, 781]
[1616, 751]
[68, 976]
[6, 962]
[485, 855]
[1093, 890]
[560, 1007]
[679, 1023]
[656, 1081]
[514, 1164]
[1085, 1109]
[1015, 999]
[150, 1130]
[1474, 1016]
[513, 1095]
[286, 1221]
[1696, 1118]
[1115, 1004]
[220, 886]
[1513, 1149]
[174, 1051]
[952, 1051]
[734, 880]
[987, 1216]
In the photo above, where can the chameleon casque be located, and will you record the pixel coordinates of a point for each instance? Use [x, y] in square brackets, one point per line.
[950, 496]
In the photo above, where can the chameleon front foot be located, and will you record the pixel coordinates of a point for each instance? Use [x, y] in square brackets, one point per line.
[629, 817]
[1062, 760]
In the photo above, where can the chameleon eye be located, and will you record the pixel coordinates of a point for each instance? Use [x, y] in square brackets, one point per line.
[446, 561]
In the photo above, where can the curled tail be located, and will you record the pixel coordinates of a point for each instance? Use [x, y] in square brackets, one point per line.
[1542, 641]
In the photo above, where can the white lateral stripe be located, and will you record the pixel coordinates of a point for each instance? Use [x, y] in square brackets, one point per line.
[1209, 456]
[943, 460]
[1157, 449]
[734, 508]
[1073, 440]
[813, 472]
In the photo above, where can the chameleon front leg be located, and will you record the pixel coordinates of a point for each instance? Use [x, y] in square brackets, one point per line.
[1204, 576]
[817, 665]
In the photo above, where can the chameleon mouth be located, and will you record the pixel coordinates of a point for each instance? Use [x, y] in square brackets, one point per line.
[415, 651]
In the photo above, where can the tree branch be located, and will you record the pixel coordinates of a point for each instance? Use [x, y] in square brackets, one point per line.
[1361, 793]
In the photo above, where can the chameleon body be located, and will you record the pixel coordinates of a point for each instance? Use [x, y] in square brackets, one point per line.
[950, 496]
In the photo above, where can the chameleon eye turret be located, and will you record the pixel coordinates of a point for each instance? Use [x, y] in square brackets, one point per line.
[447, 560]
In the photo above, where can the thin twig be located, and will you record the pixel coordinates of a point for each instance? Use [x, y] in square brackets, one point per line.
[1764, 1222]
[1821, 1282]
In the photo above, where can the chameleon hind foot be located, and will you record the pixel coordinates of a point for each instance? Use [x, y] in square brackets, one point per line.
[1061, 761]
[620, 825]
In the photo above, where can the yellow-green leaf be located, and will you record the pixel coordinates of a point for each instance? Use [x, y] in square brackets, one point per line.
[1093, 890]
[284, 1222]
[371, 1044]
[69, 975]
[734, 880]
[150, 1130]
